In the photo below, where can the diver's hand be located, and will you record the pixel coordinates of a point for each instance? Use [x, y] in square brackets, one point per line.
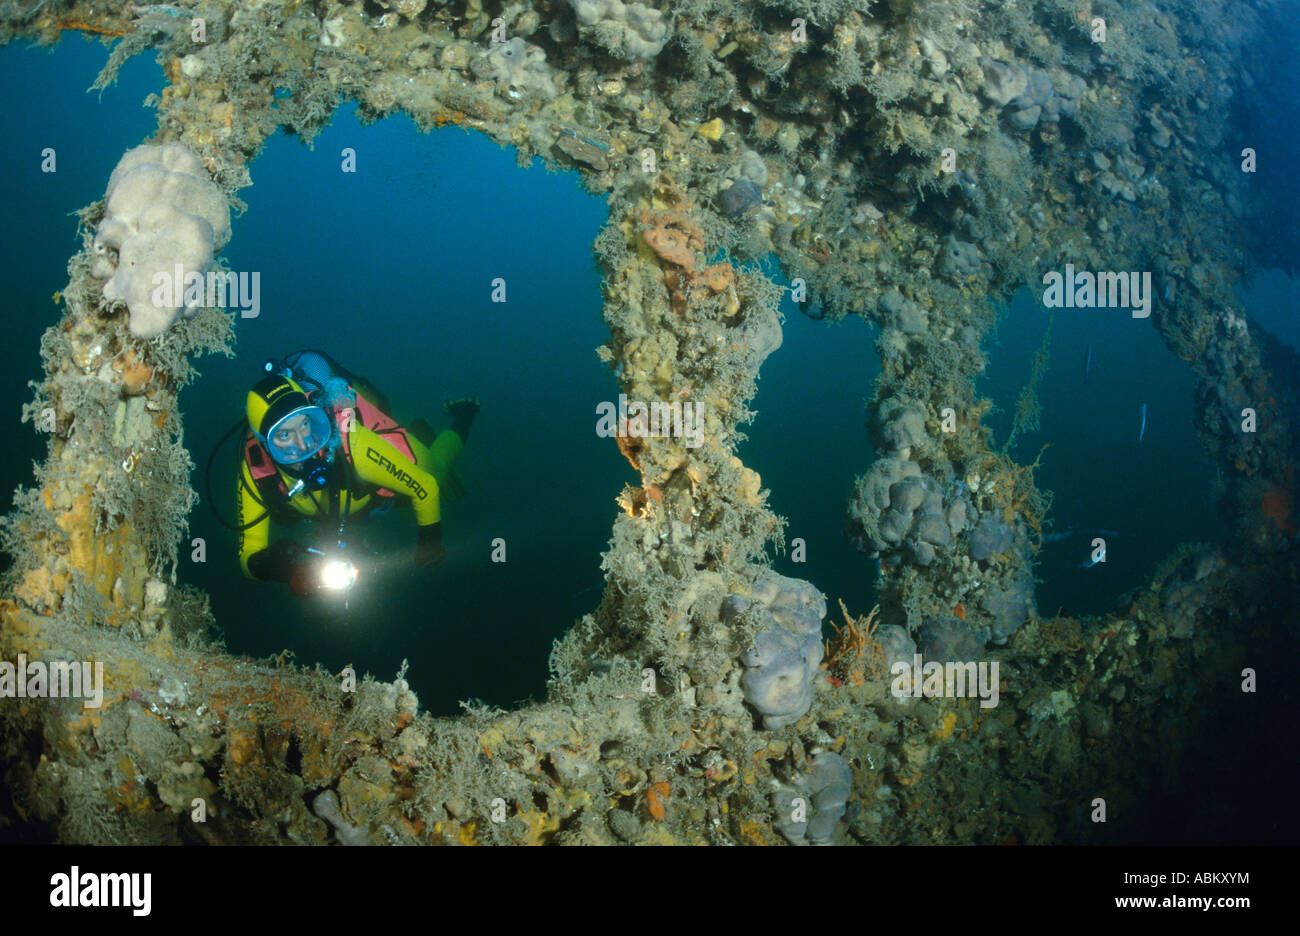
[304, 580]
[429, 551]
[276, 562]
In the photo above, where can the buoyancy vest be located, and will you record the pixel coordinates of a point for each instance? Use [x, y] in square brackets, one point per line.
[271, 490]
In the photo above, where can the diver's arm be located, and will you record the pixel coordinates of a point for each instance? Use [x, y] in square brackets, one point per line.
[255, 539]
[284, 561]
[379, 463]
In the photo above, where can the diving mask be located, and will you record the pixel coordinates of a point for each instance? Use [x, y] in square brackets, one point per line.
[299, 435]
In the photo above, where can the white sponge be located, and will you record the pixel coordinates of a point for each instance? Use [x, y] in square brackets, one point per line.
[628, 30]
[164, 217]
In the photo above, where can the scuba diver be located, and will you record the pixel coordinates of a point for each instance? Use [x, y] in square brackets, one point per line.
[320, 444]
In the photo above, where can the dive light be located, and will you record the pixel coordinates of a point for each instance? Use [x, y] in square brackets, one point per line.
[337, 573]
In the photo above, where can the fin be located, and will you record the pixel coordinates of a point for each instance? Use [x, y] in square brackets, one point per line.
[462, 413]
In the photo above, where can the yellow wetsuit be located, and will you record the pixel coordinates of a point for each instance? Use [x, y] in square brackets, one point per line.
[374, 463]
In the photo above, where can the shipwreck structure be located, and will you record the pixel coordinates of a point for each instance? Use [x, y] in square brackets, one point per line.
[911, 162]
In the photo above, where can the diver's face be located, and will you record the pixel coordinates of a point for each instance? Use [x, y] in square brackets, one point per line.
[294, 436]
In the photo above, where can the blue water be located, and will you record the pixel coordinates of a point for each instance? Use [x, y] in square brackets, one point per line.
[1153, 494]
[390, 270]
[809, 442]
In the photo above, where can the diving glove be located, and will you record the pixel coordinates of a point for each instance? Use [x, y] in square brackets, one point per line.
[429, 551]
[304, 580]
[276, 562]
[462, 413]
[288, 562]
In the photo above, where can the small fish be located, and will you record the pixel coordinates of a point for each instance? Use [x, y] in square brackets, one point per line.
[1143, 430]
[1108, 533]
[1059, 537]
[1087, 364]
[603, 147]
[1092, 562]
